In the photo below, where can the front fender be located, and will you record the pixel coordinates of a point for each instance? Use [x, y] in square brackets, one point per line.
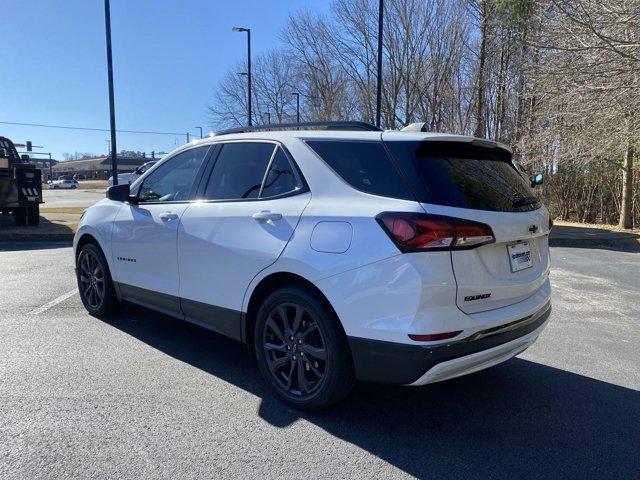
[97, 221]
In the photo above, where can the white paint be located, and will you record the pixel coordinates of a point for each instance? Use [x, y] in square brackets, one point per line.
[53, 303]
[331, 237]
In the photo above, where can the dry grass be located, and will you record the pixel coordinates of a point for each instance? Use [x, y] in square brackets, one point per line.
[611, 228]
[70, 210]
[98, 184]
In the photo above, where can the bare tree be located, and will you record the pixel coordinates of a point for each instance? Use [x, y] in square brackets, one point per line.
[555, 79]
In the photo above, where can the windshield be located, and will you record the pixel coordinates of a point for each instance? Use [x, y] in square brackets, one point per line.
[461, 175]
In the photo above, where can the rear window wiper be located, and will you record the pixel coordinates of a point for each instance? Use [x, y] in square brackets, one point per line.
[521, 202]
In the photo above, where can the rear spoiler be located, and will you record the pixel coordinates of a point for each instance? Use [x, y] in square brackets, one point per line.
[478, 142]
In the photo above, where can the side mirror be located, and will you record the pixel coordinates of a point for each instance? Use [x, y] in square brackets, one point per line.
[120, 193]
[536, 179]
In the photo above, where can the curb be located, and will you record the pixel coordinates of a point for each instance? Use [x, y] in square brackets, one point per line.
[37, 238]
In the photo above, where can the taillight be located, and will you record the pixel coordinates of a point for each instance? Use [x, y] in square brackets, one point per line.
[417, 232]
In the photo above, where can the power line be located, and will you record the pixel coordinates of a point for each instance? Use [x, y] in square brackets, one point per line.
[66, 127]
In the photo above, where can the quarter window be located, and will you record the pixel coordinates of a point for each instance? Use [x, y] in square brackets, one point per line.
[173, 180]
[281, 178]
[364, 165]
[239, 171]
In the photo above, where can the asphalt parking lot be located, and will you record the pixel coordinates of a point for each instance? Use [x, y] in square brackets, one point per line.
[80, 197]
[143, 395]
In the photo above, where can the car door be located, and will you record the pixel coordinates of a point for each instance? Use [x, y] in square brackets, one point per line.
[144, 234]
[249, 209]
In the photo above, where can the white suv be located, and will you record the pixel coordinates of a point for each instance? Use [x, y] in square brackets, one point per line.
[337, 254]
[130, 177]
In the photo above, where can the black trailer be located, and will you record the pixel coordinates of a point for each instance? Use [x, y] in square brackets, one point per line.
[20, 186]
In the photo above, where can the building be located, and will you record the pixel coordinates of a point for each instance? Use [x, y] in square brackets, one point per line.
[98, 168]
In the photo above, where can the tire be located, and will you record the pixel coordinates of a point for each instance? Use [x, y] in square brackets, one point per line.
[315, 369]
[96, 288]
[33, 214]
[20, 217]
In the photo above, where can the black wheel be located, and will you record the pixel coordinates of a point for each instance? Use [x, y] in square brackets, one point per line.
[20, 216]
[33, 214]
[94, 282]
[301, 350]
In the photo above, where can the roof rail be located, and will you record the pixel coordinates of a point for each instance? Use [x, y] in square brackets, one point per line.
[335, 125]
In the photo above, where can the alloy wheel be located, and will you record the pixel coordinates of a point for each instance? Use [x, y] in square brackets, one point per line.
[92, 280]
[295, 349]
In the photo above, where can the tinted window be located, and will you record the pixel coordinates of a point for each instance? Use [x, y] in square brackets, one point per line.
[463, 175]
[281, 178]
[364, 165]
[173, 180]
[239, 170]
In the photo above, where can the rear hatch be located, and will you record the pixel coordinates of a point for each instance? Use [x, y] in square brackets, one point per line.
[475, 180]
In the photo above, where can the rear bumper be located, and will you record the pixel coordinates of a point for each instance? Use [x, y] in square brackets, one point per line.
[399, 363]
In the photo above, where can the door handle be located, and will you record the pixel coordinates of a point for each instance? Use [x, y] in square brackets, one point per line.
[267, 216]
[166, 216]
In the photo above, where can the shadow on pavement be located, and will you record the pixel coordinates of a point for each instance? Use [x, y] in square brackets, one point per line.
[517, 420]
[591, 237]
[34, 237]
[17, 245]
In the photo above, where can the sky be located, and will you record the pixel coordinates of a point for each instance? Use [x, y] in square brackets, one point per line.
[168, 56]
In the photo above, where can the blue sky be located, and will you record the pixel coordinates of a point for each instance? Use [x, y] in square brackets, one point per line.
[168, 57]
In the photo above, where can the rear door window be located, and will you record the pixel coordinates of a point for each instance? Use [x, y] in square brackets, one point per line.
[364, 165]
[456, 174]
[239, 170]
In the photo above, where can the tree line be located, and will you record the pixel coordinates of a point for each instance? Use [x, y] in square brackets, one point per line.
[557, 80]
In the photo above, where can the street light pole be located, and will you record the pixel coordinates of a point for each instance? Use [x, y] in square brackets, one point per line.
[200, 128]
[112, 111]
[248, 30]
[379, 77]
[297, 94]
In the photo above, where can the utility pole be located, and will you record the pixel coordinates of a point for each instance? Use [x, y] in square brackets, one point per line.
[297, 94]
[188, 137]
[379, 78]
[112, 112]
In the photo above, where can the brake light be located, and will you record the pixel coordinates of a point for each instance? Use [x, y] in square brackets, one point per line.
[417, 232]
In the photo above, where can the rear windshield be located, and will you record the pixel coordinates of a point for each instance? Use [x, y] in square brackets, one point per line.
[460, 175]
[364, 165]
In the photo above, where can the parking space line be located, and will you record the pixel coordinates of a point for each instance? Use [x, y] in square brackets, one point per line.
[53, 302]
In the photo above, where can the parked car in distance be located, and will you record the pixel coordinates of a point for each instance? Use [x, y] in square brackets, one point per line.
[56, 184]
[129, 177]
[337, 255]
